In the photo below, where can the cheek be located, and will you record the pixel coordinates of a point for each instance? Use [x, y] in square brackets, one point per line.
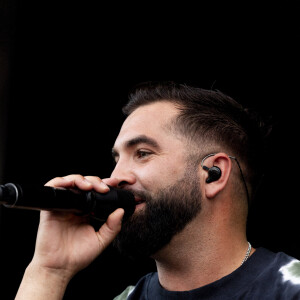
[160, 175]
[149, 177]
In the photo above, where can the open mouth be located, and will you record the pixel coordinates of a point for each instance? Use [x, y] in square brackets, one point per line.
[139, 200]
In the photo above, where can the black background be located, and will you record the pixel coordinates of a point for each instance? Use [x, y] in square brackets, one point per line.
[68, 68]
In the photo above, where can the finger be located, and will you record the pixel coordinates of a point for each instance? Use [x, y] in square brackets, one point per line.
[110, 229]
[71, 181]
[111, 181]
[59, 182]
[98, 184]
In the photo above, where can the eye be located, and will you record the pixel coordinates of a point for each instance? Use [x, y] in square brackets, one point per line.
[114, 162]
[143, 153]
[115, 159]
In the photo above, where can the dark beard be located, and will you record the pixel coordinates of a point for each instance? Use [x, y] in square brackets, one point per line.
[164, 215]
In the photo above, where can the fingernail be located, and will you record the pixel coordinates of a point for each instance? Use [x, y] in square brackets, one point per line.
[104, 185]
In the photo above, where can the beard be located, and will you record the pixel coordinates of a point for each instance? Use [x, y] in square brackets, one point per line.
[164, 214]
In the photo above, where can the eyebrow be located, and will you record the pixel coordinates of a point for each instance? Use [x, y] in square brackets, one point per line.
[141, 139]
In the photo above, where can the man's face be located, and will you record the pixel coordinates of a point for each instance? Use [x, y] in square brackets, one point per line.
[152, 163]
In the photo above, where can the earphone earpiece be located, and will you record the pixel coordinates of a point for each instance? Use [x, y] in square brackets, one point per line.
[214, 173]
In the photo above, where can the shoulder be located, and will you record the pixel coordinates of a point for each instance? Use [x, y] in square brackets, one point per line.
[287, 267]
[290, 269]
[275, 274]
[138, 291]
[124, 295]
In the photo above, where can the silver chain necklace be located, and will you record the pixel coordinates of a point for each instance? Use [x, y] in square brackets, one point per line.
[247, 253]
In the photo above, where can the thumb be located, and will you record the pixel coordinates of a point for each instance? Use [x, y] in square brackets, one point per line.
[110, 229]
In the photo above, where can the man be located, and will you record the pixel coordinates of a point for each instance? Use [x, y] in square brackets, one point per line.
[192, 158]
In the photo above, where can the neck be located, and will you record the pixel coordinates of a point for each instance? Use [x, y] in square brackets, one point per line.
[192, 260]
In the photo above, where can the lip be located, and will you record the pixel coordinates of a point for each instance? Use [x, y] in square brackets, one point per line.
[140, 203]
[138, 200]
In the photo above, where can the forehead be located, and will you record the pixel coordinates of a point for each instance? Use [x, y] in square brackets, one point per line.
[149, 120]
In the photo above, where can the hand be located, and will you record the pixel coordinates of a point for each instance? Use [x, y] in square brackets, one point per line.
[67, 243]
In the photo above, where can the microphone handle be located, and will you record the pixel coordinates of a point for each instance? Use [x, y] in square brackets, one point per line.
[97, 205]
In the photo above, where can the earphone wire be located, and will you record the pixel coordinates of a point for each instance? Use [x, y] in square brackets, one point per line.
[243, 178]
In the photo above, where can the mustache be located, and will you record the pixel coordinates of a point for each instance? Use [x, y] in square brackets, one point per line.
[144, 195]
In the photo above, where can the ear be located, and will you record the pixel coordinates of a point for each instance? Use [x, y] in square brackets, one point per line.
[223, 162]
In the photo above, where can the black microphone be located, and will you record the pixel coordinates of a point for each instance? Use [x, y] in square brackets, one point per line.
[97, 205]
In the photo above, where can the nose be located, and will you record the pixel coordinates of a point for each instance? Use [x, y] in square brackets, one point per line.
[124, 174]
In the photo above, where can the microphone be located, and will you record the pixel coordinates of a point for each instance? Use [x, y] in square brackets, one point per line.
[97, 205]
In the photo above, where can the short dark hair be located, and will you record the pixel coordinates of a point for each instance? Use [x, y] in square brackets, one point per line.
[209, 116]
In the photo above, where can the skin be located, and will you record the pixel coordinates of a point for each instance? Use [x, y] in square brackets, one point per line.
[148, 157]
